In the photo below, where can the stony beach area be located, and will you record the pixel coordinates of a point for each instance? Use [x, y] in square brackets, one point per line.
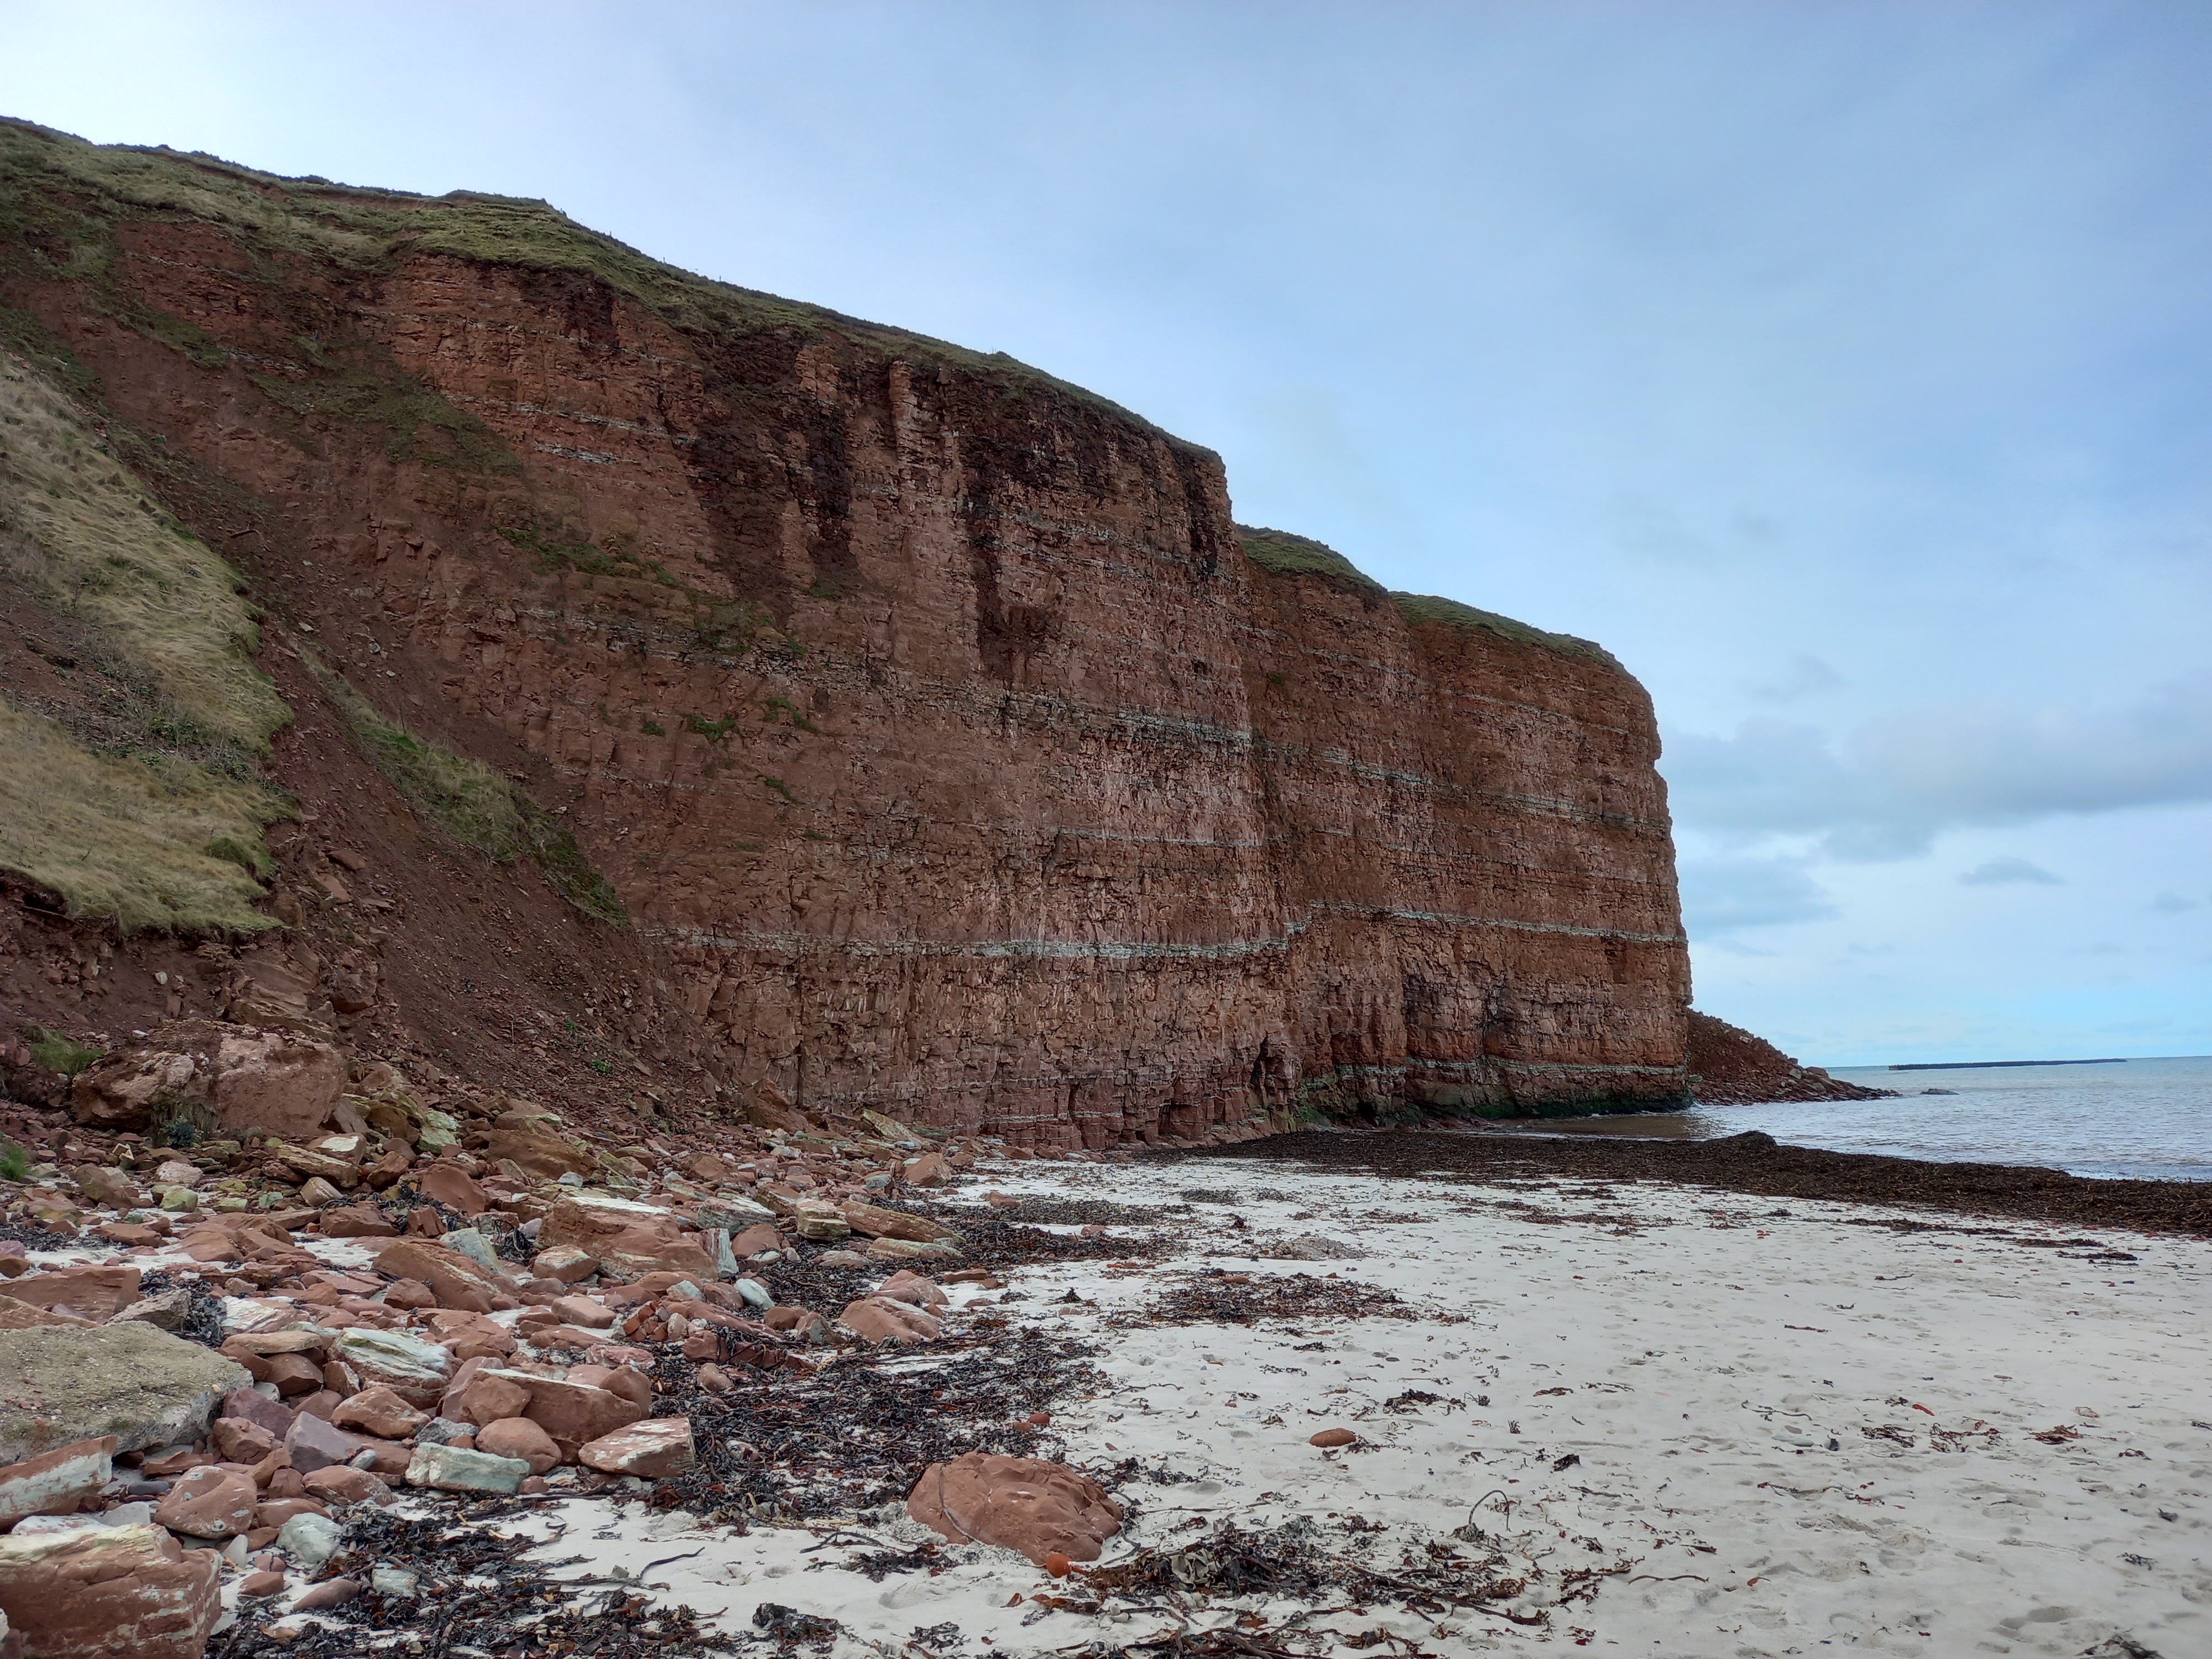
[1321, 1394]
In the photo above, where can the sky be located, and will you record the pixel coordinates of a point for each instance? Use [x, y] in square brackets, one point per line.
[1844, 368]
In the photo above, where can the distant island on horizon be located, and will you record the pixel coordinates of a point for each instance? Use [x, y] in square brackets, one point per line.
[1991, 1065]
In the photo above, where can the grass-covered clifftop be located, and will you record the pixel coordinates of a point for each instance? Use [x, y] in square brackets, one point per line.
[61, 199]
[1283, 554]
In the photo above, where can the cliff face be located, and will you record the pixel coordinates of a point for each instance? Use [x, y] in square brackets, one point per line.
[930, 718]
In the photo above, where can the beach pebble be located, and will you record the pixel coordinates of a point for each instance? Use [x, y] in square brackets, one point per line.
[1333, 1437]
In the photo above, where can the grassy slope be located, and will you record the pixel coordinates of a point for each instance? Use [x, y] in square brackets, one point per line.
[158, 823]
[1283, 554]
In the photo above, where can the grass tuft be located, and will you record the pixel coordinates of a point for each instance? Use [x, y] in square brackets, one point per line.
[471, 803]
[57, 1053]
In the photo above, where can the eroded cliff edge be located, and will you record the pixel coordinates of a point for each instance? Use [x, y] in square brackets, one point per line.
[951, 750]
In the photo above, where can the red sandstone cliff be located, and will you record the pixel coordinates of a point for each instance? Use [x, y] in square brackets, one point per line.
[948, 751]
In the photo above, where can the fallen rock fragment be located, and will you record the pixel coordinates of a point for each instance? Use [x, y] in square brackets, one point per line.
[56, 1482]
[1027, 1504]
[414, 1369]
[452, 1468]
[377, 1409]
[140, 1384]
[628, 1240]
[658, 1447]
[101, 1592]
[878, 1319]
[519, 1438]
[213, 1503]
[92, 1293]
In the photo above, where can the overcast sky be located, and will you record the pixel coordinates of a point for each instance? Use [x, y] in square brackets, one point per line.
[1844, 367]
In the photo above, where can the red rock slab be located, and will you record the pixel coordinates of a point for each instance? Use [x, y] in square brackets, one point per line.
[340, 1484]
[652, 1450]
[358, 1221]
[454, 1188]
[518, 1437]
[315, 1444]
[215, 1502]
[56, 1482]
[458, 1280]
[878, 1318]
[1027, 1504]
[377, 1411]
[255, 1407]
[101, 1592]
[93, 1293]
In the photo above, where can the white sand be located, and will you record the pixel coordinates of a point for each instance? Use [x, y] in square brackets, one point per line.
[1707, 1356]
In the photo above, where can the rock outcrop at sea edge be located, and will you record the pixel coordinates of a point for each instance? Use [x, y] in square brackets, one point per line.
[951, 749]
[1729, 1067]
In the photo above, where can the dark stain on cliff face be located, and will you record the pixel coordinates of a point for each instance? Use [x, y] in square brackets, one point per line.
[581, 306]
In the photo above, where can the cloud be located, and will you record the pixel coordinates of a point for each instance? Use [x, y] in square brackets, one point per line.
[1720, 896]
[1890, 787]
[1807, 676]
[2004, 871]
[2172, 904]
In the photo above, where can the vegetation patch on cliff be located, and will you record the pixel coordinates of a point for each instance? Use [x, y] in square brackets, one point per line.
[1287, 555]
[61, 199]
[134, 791]
[1281, 553]
[471, 802]
[1432, 608]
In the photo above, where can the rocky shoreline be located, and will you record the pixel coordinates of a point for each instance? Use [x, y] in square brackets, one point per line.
[264, 1394]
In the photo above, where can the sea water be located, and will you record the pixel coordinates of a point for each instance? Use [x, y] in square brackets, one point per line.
[2141, 1119]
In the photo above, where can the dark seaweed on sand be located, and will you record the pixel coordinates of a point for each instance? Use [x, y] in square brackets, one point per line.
[1211, 1299]
[477, 1596]
[992, 1238]
[857, 1434]
[1749, 1163]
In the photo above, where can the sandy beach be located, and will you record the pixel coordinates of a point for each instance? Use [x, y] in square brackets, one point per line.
[1693, 1423]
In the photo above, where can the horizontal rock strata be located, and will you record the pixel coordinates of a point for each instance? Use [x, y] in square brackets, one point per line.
[930, 714]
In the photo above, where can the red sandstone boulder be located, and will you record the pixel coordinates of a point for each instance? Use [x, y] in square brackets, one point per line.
[339, 1484]
[93, 1293]
[456, 1280]
[101, 1592]
[911, 1287]
[56, 1482]
[237, 1441]
[627, 1240]
[878, 1318]
[358, 1221]
[447, 1184]
[537, 1153]
[651, 1450]
[569, 1410]
[380, 1411]
[210, 1502]
[1025, 1504]
[518, 1437]
[274, 1082]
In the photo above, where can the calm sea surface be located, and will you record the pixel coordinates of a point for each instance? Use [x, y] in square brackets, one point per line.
[2144, 1119]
